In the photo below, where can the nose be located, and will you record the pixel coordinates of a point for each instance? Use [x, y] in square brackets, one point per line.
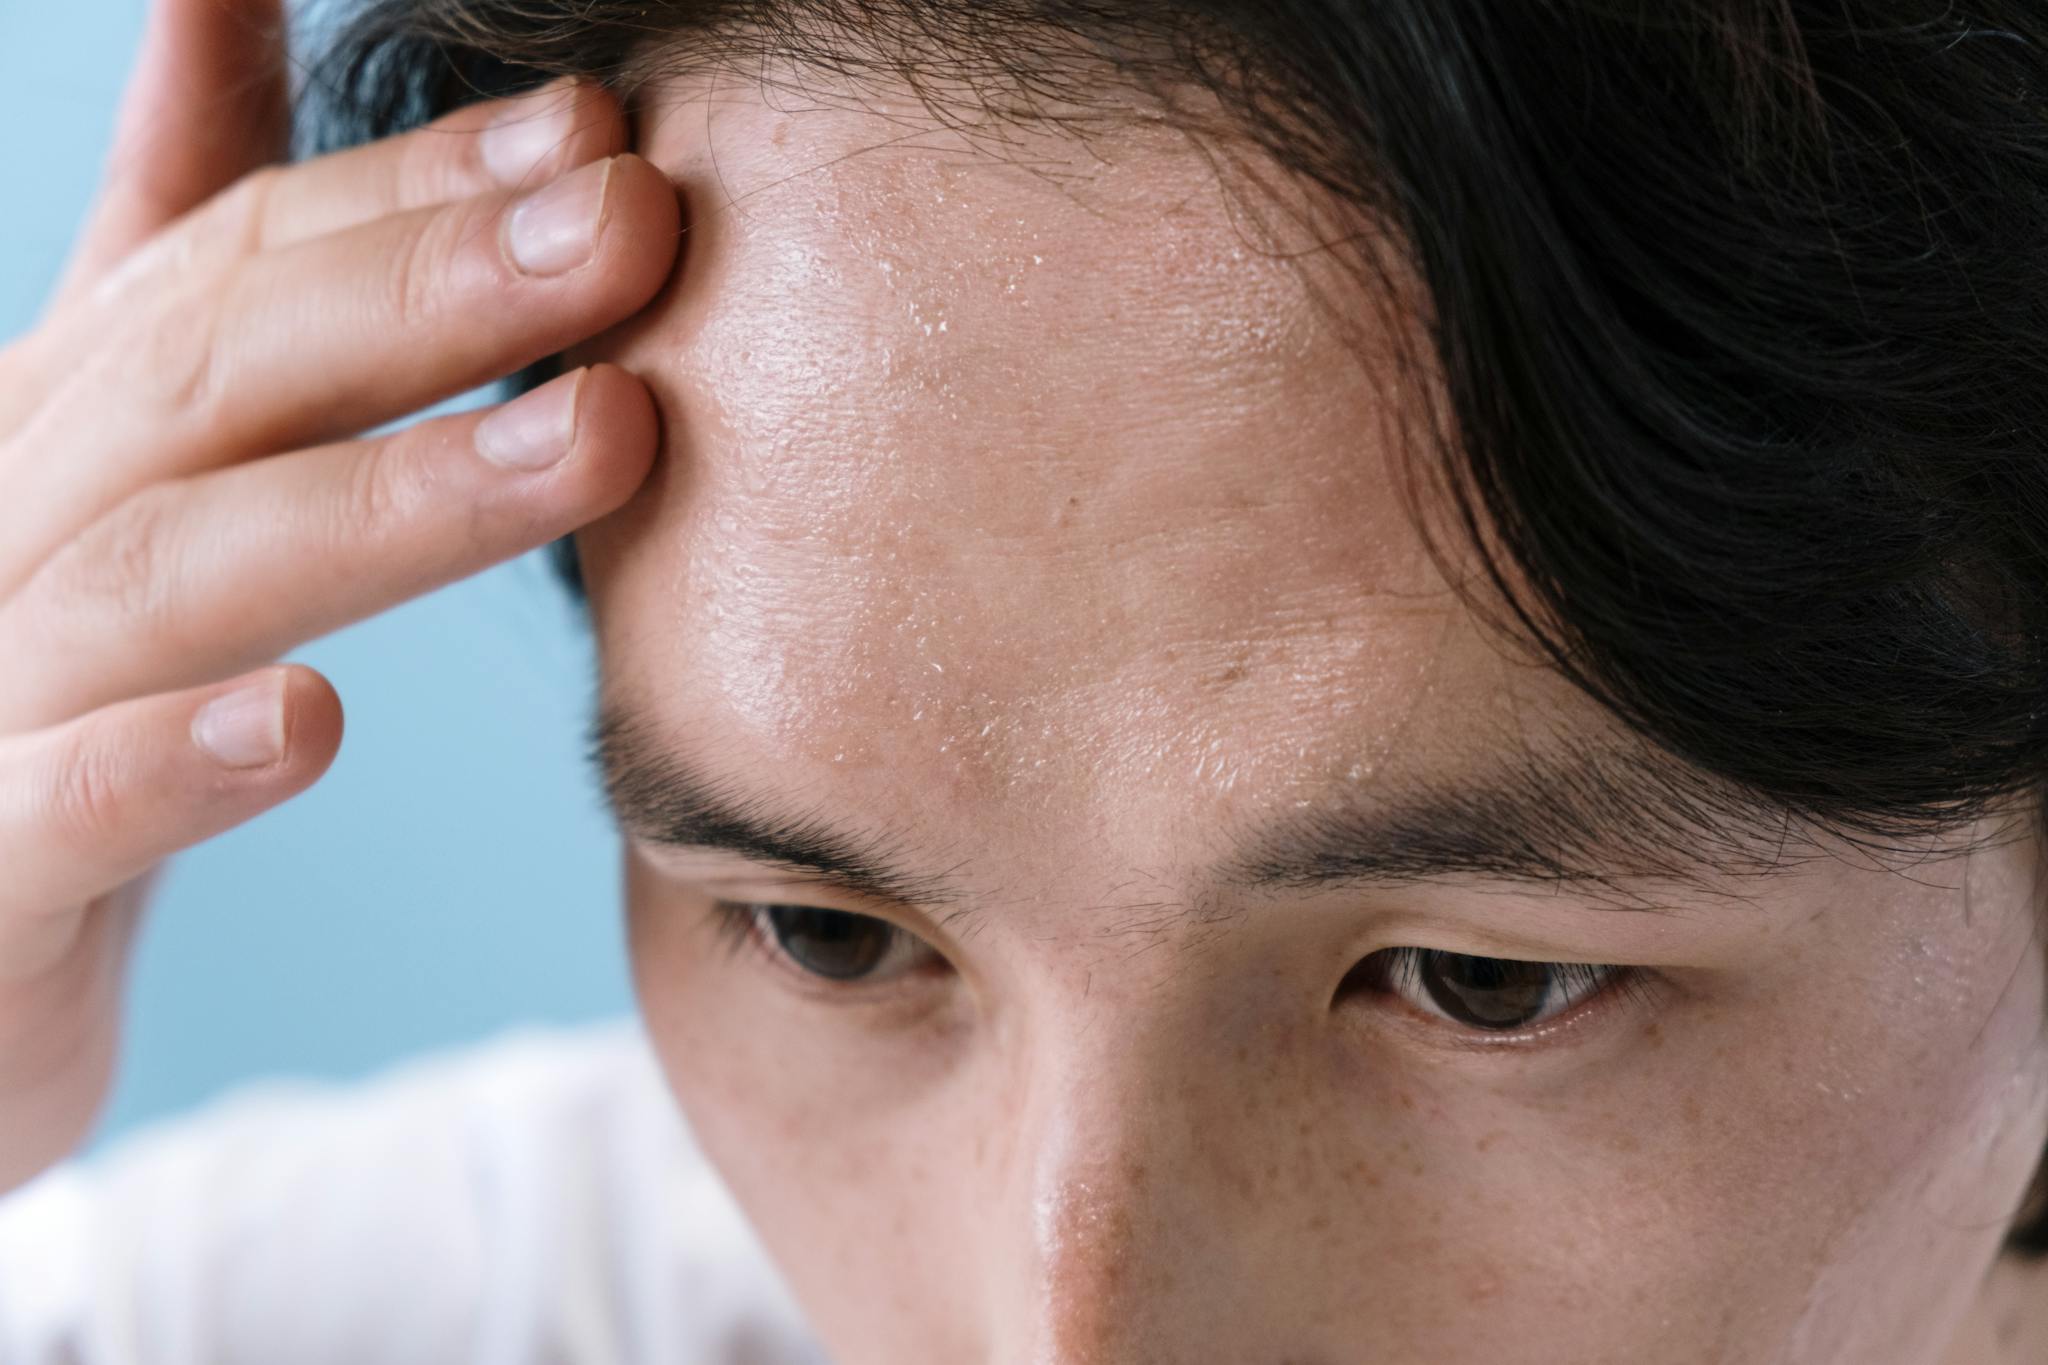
[1145, 1186]
[1099, 1260]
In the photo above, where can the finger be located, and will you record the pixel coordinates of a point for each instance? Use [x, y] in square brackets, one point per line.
[91, 804]
[514, 143]
[334, 336]
[517, 144]
[498, 144]
[207, 104]
[199, 578]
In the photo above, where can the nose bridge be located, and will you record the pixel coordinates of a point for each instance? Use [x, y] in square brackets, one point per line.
[1120, 1237]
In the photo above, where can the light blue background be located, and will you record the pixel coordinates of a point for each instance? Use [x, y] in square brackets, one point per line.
[453, 872]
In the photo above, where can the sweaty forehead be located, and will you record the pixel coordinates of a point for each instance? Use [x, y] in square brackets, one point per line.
[1009, 464]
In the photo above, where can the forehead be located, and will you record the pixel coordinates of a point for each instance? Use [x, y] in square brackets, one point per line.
[1017, 472]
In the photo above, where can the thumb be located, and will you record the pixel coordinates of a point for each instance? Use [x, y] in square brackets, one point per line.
[207, 103]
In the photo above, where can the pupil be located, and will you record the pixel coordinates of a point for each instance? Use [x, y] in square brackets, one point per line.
[1486, 992]
[830, 943]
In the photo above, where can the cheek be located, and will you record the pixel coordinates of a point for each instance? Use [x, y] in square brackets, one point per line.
[1939, 1130]
[749, 1096]
[813, 1133]
[1852, 1143]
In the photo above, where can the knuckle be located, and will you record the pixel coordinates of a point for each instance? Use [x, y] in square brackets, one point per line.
[122, 566]
[384, 488]
[421, 172]
[419, 271]
[258, 191]
[243, 213]
[179, 352]
[80, 796]
[232, 225]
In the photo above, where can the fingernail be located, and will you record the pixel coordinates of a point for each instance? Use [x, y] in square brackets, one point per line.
[534, 430]
[554, 230]
[245, 728]
[527, 133]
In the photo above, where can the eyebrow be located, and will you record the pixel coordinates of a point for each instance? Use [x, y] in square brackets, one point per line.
[1611, 820]
[1590, 818]
[661, 796]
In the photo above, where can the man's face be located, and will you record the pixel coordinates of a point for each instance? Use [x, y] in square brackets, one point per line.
[1025, 573]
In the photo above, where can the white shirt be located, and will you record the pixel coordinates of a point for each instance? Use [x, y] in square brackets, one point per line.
[536, 1200]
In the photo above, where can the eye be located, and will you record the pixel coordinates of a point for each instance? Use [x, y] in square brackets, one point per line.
[836, 945]
[1491, 994]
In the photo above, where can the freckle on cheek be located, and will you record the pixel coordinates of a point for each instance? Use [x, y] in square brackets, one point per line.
[1485, 1283]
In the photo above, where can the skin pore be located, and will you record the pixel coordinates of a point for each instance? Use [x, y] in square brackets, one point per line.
[1022, 556]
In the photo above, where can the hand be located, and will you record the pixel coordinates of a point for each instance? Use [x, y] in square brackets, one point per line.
[185, 498]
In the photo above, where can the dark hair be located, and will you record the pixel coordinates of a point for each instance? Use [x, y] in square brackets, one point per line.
[1740, 310]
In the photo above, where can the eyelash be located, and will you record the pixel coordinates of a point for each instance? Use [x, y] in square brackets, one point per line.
[745, 926]
[1586, 988]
